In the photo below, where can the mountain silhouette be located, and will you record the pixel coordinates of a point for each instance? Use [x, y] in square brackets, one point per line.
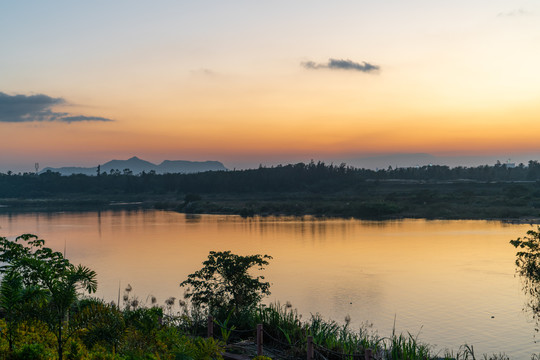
[134, 164]
[137, 166]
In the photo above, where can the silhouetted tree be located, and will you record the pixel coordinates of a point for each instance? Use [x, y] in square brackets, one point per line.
[225, 282]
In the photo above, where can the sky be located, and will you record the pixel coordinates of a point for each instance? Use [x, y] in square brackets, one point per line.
[265, 82]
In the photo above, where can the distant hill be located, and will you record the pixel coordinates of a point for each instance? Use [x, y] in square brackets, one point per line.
[134, 164]
[137, 166]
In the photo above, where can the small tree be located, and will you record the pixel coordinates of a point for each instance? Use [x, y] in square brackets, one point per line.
[41, 267]
[225, 282]
[528, 266]
[528, 259]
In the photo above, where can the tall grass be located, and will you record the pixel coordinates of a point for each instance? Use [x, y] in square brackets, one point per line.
[285, 330]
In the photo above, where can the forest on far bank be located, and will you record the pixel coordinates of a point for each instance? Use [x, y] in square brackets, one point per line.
[316, 188]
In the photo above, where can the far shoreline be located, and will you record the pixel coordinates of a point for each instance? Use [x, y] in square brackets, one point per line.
[21, 206]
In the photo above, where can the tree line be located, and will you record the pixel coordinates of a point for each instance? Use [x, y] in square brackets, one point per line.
[315, 177]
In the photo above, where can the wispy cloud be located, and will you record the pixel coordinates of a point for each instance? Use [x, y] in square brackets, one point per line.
[84, 118]
[340, 64]
[29, 108]
[204, 71]
[517, 12]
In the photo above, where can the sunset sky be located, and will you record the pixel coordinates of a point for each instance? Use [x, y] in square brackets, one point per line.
[249, 82]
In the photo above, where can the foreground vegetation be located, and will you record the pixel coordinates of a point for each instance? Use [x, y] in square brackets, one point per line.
[485, 192]
[151, 332]
[45, 316]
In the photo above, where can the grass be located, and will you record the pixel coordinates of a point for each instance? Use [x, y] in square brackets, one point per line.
[285, 330]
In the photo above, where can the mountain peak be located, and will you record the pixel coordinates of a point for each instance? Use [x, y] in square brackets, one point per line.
[137, 166]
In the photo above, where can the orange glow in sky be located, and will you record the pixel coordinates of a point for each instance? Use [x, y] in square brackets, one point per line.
[250, 83]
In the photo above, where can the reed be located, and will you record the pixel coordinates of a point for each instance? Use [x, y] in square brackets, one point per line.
[288, 332]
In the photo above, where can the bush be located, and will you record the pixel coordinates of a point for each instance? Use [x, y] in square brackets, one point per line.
[224, 282]
[30, 352]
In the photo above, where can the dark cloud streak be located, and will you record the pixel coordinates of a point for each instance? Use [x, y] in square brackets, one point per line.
[84, 118]
[340, 64]
[36, 108]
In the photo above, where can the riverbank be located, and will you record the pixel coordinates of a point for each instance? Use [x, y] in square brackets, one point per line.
[317, 189]
[515, 202]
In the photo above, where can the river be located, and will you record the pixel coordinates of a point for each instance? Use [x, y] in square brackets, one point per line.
[449, 282]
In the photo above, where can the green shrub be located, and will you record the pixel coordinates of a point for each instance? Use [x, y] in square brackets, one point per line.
[30, 352]
[75, 350]
[104, 324]
[208, 349]
[100, 353]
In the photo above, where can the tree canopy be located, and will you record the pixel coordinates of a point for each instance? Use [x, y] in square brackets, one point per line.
[528, 267]
[225, 281]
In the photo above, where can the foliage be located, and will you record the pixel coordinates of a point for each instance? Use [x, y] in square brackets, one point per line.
[142, 328]
[27, 332]
[283, 322]
[225, 283]
[17, 303]
[100, 353]
[48, 270]
[406, 347]
[528, 266]
[224, 328]
[332, 340]
[528, 259]
[75, 350]
[144, 319]
[34, 351]
[42, 313]
[103, 324]
[188, 348]
[207, 349]
[191, 198]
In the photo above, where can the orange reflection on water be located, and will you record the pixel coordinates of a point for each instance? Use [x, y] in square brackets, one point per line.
[443, 278]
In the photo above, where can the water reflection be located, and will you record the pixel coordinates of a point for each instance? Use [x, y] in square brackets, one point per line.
[193, 218]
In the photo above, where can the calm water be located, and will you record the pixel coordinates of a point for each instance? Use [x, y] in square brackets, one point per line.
[451, 282]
